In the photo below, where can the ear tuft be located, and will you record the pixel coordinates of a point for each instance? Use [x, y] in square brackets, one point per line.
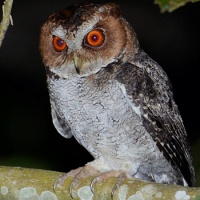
[113, 9]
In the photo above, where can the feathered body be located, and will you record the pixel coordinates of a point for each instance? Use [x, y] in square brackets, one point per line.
[115, 100]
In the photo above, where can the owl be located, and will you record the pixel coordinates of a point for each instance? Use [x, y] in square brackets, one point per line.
[112, 97]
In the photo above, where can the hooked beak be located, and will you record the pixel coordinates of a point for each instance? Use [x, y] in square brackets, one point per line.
[77, 64]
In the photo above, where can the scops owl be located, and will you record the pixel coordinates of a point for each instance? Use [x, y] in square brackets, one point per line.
[112, 97]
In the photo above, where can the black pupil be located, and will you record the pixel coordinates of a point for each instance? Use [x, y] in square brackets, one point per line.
[94, 37]
[60, 42]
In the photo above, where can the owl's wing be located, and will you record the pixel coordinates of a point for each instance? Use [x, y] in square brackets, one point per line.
[61, 126]
[148, 89]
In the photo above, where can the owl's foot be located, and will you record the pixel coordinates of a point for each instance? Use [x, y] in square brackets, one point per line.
[104, 176]
[120, 175]
[120, 179]
[84, 172]
[62, 178]
[78, 174]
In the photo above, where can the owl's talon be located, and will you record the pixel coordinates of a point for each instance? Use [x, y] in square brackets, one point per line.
[61, 179]
[72, 192]
[120, 179]
[56, 182]
[121, 176]
[95, 180]
[82, 173]
[113, 192]
[74, 184]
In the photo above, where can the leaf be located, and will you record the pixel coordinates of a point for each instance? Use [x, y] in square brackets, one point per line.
[6, 18]
[171, 5]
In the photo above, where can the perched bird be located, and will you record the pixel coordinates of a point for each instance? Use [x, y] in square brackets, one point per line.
[112, 97]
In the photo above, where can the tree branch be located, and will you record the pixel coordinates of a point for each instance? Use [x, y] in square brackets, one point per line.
[33, 184]
[6, 18]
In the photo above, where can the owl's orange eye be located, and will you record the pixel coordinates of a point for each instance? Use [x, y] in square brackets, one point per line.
[59, 44]
[95, 38]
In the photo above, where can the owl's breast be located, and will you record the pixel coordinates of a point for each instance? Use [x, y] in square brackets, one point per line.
[88, 106]
[101, 119]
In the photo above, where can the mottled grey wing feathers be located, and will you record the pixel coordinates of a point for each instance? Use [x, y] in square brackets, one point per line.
[148, 87]
[61, 126]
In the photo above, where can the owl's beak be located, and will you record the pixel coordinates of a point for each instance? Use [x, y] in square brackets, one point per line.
[77, 63]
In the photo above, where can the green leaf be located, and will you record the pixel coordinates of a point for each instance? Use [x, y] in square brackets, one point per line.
[171, 5]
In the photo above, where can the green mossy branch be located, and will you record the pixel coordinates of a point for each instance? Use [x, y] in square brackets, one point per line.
[171, 5]
[6, 8]
[32, 184]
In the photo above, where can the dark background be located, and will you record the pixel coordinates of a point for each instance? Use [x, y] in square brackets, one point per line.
[28, 138]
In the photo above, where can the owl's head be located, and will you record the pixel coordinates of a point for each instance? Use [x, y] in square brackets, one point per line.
[81, 39]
